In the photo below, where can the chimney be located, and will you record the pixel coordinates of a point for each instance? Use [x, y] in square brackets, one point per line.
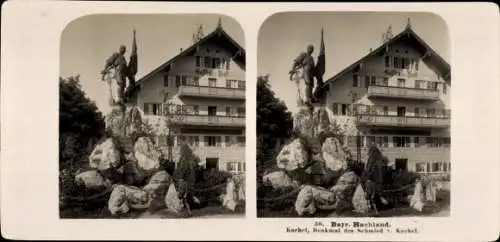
[371, 50]
[181, 50]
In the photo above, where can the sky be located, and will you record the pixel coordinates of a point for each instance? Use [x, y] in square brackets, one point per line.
[348, 37]
[87, 42]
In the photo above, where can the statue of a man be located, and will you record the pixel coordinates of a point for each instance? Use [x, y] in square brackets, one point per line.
[117, 61]
[306, 61]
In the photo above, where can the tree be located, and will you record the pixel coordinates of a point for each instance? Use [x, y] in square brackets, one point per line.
[274, 122]
[81, 124]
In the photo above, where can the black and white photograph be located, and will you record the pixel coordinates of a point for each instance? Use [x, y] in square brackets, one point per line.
[353, 115]
[152, 117]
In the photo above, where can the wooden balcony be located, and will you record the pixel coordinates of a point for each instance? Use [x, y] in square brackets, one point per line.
[211, 92]
[207, 120]
[377, 91]
[403, 121]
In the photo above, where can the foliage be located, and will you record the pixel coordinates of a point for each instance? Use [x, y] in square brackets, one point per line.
[81, 124]
[274, 123]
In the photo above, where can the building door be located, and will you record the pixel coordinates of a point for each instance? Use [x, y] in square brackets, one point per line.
[401, 111]
[212, 110]
[212, 163]
[401, 164]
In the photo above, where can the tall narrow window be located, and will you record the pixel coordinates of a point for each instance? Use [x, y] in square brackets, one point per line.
[401, 82]
[396, 62]
[387, 61]
[207, 61]
[228, 83]
[184, 80]
[177, 81]
[367, 81]
[386, 110]
[373, 80]
[354, 80]
[344, 109]
[198, 61]
[385, 82]
[241, 84]
[165, 80]
[241, 112]
[228, 111]
[196, 109]
[212, 82]
[335, 109]
[228, 65]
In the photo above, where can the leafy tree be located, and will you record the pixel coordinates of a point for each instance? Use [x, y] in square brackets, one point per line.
[81, 124]
[274, 123]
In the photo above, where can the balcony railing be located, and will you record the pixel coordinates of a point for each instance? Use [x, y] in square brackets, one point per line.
[206, 91]
[403, 121]
[207, 120]
[402, 92]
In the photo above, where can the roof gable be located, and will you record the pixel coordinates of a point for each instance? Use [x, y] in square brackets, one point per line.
[218, 35]
[419, 44]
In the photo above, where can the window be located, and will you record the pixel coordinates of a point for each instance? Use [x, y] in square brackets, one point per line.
[212, 110]
[344, 109]
[385, 82]
[196, 109]
[198, 61]
[419, 83]
[370, 140]
[416, 141]
[401, 82]
[241, 84]
[401, 141]
[405, 63]
[335, 109]
[207, 61]
[435, 167]
[146, 108]
[241, 141]
[228, 111]
[396, 63]
[184, 80]
[212, 82]
[420, 167]
[228, 83]
[177, 81]
[416, 65]
[228, 141]
[196, 81]
[447, 142]
[241, 112]
[355, 81]
[152, 108]
[431, 112]
[228, 65]
[194, 140]
[387, 61]
[210, 141]
[216, 63]
[435, 85]
[165, 80]
[218, 141]
[367, 81]
[231, 166]
[373, 80]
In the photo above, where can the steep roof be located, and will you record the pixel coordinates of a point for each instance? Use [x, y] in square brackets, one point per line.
[218, 36]
[418, 43]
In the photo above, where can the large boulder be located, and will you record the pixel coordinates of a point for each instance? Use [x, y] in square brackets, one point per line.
[278, 179]
[105, 156]
[311, 124]
[344, 190]
[312, 198]
[293, 156]
[230, 196]
[123, 198]
[359, 201]
[126, 124]
[157, 188]
[334, 154]
[92, 179]
[173, 200]
[147, 155]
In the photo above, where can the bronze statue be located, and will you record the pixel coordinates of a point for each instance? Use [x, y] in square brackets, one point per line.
[116, 68]
[306, 62]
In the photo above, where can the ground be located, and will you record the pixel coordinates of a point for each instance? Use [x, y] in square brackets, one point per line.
[102, 212]
[441, 208]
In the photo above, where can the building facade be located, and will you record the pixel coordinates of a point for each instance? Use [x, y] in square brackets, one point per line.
[198, 97]
[397, 96]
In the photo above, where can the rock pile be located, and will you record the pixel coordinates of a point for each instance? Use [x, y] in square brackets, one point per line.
[318, 154]
[129, 165]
